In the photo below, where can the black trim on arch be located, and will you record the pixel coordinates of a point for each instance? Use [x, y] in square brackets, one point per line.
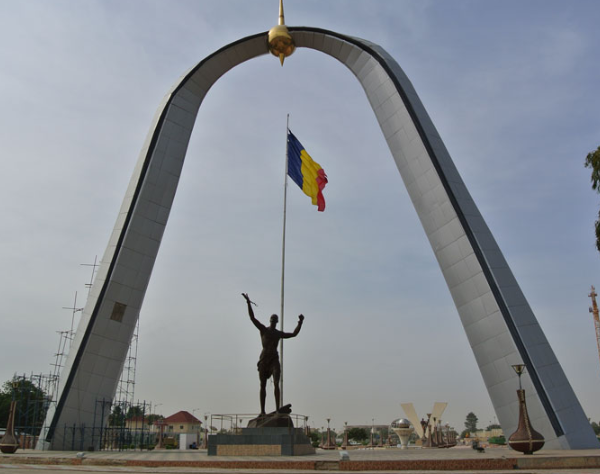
[88, 331]
[531, 369]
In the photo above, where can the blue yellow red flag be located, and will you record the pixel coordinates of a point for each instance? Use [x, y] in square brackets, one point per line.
[306, 172]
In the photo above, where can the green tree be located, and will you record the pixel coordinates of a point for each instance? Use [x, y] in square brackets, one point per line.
[471, 422]
[592, 160]
[32, 404]
[493, 426]
[358, 434]
[152, 419]
[135, 411]
[5, 399]
[116, 418]
[596, 428]
[315, 438]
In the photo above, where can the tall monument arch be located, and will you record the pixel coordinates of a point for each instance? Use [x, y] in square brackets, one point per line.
[501, 328]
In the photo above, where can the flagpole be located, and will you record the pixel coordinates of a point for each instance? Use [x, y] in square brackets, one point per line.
[283, 257]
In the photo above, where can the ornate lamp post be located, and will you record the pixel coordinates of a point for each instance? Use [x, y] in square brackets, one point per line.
[199, 431]
[161, 433]
[205, 440]
[9, 443]
[525, 440]
[372, 442]
[329, 444]
[345, 442]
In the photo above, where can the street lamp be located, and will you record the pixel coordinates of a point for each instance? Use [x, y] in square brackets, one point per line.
[372, 443]
[194, 410]
[205, 440]
[525, 439]
[329, 444]
[520, 370]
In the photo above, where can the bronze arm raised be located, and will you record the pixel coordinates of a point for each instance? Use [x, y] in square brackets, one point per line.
[287, 335]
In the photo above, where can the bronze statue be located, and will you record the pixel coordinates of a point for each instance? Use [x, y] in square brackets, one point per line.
[268, 363]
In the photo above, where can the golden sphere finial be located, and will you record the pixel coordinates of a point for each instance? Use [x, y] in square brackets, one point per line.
[281, 43]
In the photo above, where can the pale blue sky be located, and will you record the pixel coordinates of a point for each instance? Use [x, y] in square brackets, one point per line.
[512, 87]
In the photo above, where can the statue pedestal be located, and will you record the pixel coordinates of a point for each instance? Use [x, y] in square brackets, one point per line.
[264, 441]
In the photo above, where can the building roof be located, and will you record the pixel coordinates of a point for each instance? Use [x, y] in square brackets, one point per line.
[182, 417]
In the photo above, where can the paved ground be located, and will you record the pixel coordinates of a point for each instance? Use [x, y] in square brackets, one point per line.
[455, 460]
[25, 469]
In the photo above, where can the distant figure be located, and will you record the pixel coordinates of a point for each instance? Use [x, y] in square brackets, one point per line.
[268, 364]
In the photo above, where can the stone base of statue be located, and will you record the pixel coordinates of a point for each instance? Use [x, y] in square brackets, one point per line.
[267, 435]
[276, 419]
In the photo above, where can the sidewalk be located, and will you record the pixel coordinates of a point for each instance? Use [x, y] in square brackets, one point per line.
[361, 460]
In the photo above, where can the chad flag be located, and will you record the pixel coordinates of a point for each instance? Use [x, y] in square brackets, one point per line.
[305, 172]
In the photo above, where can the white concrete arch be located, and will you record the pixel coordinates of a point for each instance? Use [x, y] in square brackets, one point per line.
[498, 321]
